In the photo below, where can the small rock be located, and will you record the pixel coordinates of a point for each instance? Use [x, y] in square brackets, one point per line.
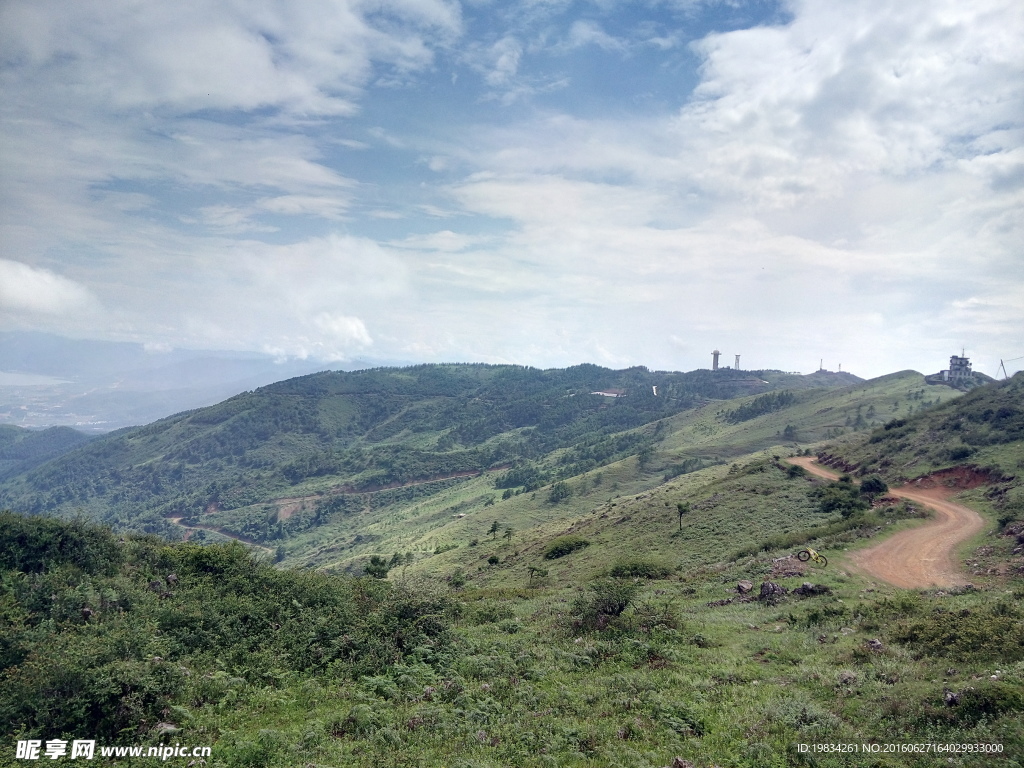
[772, 592]
[172, 579]
[846, 677]
[875, 645]
[678, 762]
[807, 589]
[951, 698]
[744, 586]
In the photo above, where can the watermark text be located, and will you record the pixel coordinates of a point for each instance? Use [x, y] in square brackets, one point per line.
[86, 749]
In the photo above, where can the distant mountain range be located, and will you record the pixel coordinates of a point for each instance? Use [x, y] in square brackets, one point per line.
[100, 386]
[331, 438]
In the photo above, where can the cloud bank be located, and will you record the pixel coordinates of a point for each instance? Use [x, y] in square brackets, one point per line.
[625, 184]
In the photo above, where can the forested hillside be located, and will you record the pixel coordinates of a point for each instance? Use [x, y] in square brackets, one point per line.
[22, 449]
[364, 431]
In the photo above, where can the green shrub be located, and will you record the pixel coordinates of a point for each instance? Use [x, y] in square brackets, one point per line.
[640, 569]
[842, 497]
[559, 492]
[457, 580]
[109, 655]
[603, 601]
[31, 544]
[377, 568]
[536, 572]
[873, 486]
[994, 633]
[361, 720]
[988, 699]
[565, 545]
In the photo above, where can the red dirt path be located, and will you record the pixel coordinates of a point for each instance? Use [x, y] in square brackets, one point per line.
[921, 556]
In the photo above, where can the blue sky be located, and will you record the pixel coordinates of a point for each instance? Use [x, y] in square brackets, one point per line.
[544, 182]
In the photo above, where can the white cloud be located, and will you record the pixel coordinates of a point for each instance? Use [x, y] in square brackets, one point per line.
[851, 179]
[587, 32]
[499, 63]
[342, 329]
[203, 54]
[502, 61]
[228, 219]
[24, 288]
[304, 299]
[556, 201]
[860, 166]
[784, 113]
[446, 240]
[322, 206]
[121, 119]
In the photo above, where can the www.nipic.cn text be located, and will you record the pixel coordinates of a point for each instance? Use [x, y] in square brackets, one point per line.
[86, 749]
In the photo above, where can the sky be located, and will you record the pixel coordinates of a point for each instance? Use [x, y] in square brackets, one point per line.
[547, 182]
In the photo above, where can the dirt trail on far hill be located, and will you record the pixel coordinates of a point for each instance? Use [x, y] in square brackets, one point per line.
[242, 539]
[921, 556]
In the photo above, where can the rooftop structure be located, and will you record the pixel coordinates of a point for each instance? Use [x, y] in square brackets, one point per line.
[959, 369]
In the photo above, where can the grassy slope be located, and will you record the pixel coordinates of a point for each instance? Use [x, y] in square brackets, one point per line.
[984, 432]
[701, 434]
[739, 684]
[260, 465]
[361, 429]
[983, 429]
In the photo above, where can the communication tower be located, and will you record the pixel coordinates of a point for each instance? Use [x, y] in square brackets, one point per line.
[737, 366]
[714, 360]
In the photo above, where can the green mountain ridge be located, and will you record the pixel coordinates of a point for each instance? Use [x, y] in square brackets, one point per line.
[606, 617]
[330, 469]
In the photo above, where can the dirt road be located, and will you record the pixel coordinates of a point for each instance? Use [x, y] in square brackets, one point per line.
[241, 539]
[921, 556]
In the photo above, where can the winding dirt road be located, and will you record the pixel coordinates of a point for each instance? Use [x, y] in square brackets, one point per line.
[241, 539]
[921, 556]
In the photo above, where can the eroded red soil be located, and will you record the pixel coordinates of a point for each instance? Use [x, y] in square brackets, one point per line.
[922, 556]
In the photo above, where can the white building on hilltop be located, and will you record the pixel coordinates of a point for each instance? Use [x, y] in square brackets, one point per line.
[959, 370]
